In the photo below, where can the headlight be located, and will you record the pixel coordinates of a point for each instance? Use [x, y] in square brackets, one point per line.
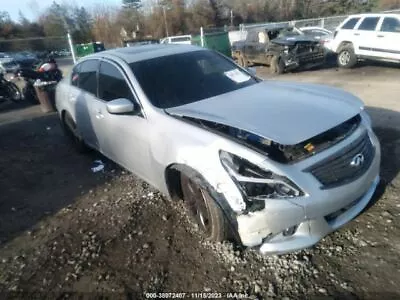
[255, 183]
[366, 118]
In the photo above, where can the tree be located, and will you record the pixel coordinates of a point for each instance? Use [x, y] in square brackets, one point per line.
[82, 31]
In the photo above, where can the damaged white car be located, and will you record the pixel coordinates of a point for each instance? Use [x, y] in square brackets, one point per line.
[274, 165]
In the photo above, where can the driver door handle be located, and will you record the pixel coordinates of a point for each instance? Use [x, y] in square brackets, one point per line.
[356, 34]
[380, 36]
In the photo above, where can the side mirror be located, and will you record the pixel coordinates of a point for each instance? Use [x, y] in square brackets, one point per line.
[252, 71]
[120, 106]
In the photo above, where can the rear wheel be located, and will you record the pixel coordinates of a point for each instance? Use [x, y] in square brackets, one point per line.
[72, 132]
[346, 57]
[204, 210]
[29, 94]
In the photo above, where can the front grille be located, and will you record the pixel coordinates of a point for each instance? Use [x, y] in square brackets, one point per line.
[343, 167]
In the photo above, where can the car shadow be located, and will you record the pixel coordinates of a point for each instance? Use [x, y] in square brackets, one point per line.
[389, 138]
[40, 174]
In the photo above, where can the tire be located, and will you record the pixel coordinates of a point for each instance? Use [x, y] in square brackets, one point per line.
[204, 210]
[14, 93]
[242, 61]
[346, 57]
[277, 65]
[71, 131]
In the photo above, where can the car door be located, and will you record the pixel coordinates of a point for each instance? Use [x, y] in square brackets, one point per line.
[388, 36]
[122, 137]
[251, 44]
[82, 93]
[366, 39]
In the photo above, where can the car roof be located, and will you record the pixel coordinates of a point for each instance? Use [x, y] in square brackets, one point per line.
[144, 52]
[375, 15]
[271, 27]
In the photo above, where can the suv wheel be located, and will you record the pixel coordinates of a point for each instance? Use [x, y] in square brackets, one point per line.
[242, 60]
[277, 65]
[346, 57]
[204, 210]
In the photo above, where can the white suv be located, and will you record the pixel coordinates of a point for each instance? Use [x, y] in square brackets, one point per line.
[367, 36]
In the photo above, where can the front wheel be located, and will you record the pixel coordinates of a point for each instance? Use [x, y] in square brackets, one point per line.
[277, 65]
[14, 93]
[204, 210]
[346, 57]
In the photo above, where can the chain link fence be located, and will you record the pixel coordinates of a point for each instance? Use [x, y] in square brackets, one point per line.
[329, 23]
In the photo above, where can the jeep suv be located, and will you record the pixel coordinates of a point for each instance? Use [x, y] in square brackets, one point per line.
[367, 36]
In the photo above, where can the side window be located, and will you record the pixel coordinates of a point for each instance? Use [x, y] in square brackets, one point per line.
[390, 25]
[350, 23]
[87, 76]
[75, 75]
[369, 23]
[112, 84]
[252, 36]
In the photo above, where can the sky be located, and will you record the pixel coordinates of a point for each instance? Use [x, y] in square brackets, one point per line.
[32, 8]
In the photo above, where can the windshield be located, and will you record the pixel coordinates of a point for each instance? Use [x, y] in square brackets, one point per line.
[180, 79]
[283, 32]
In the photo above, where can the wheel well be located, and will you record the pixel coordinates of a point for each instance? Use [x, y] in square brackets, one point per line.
[344, 44]
[173, 182]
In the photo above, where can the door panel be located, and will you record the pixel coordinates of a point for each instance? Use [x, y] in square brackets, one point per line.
[389, 38]
[122, 137]
[366, 36]
[82, 94]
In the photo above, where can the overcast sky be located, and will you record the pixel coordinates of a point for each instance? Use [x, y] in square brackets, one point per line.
[32, 8]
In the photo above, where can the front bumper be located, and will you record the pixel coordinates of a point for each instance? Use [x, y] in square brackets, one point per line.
[314, 216]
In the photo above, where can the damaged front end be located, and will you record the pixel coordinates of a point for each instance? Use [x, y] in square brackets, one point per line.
[301, 54]
[285, 154]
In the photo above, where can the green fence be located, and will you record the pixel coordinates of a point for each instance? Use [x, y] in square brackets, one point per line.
[216, 41]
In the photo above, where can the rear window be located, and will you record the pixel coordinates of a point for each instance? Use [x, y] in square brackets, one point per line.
[350, 23]
[88, 76]
[390, 25]
[179, 79]
[369, 23]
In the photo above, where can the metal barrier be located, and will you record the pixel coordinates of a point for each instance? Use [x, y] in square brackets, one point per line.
[329, 23]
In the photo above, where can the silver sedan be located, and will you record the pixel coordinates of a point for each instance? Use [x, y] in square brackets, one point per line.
[274, 165]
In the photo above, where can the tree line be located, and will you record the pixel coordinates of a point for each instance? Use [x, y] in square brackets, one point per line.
[156, 18]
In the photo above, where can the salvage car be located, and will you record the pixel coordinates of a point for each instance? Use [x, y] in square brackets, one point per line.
[283, 48]
[268, 164]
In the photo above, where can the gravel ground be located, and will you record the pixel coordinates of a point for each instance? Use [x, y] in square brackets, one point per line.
[65, 230]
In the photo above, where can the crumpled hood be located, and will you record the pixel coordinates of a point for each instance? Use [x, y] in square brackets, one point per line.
[284, 112]
[291, 40]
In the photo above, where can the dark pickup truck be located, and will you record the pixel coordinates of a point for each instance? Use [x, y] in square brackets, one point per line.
[283, 48]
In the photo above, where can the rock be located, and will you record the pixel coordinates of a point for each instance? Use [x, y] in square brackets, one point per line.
[164, 218]
[361, 243]
[232, 269]
[339, 248]
[145, 246]
[322, 291]
[386, 214]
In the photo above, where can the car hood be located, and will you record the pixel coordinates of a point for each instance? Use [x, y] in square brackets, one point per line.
[291, 40]
[284, 112]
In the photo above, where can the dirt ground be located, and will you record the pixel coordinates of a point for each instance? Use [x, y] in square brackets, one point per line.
[66, 232]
